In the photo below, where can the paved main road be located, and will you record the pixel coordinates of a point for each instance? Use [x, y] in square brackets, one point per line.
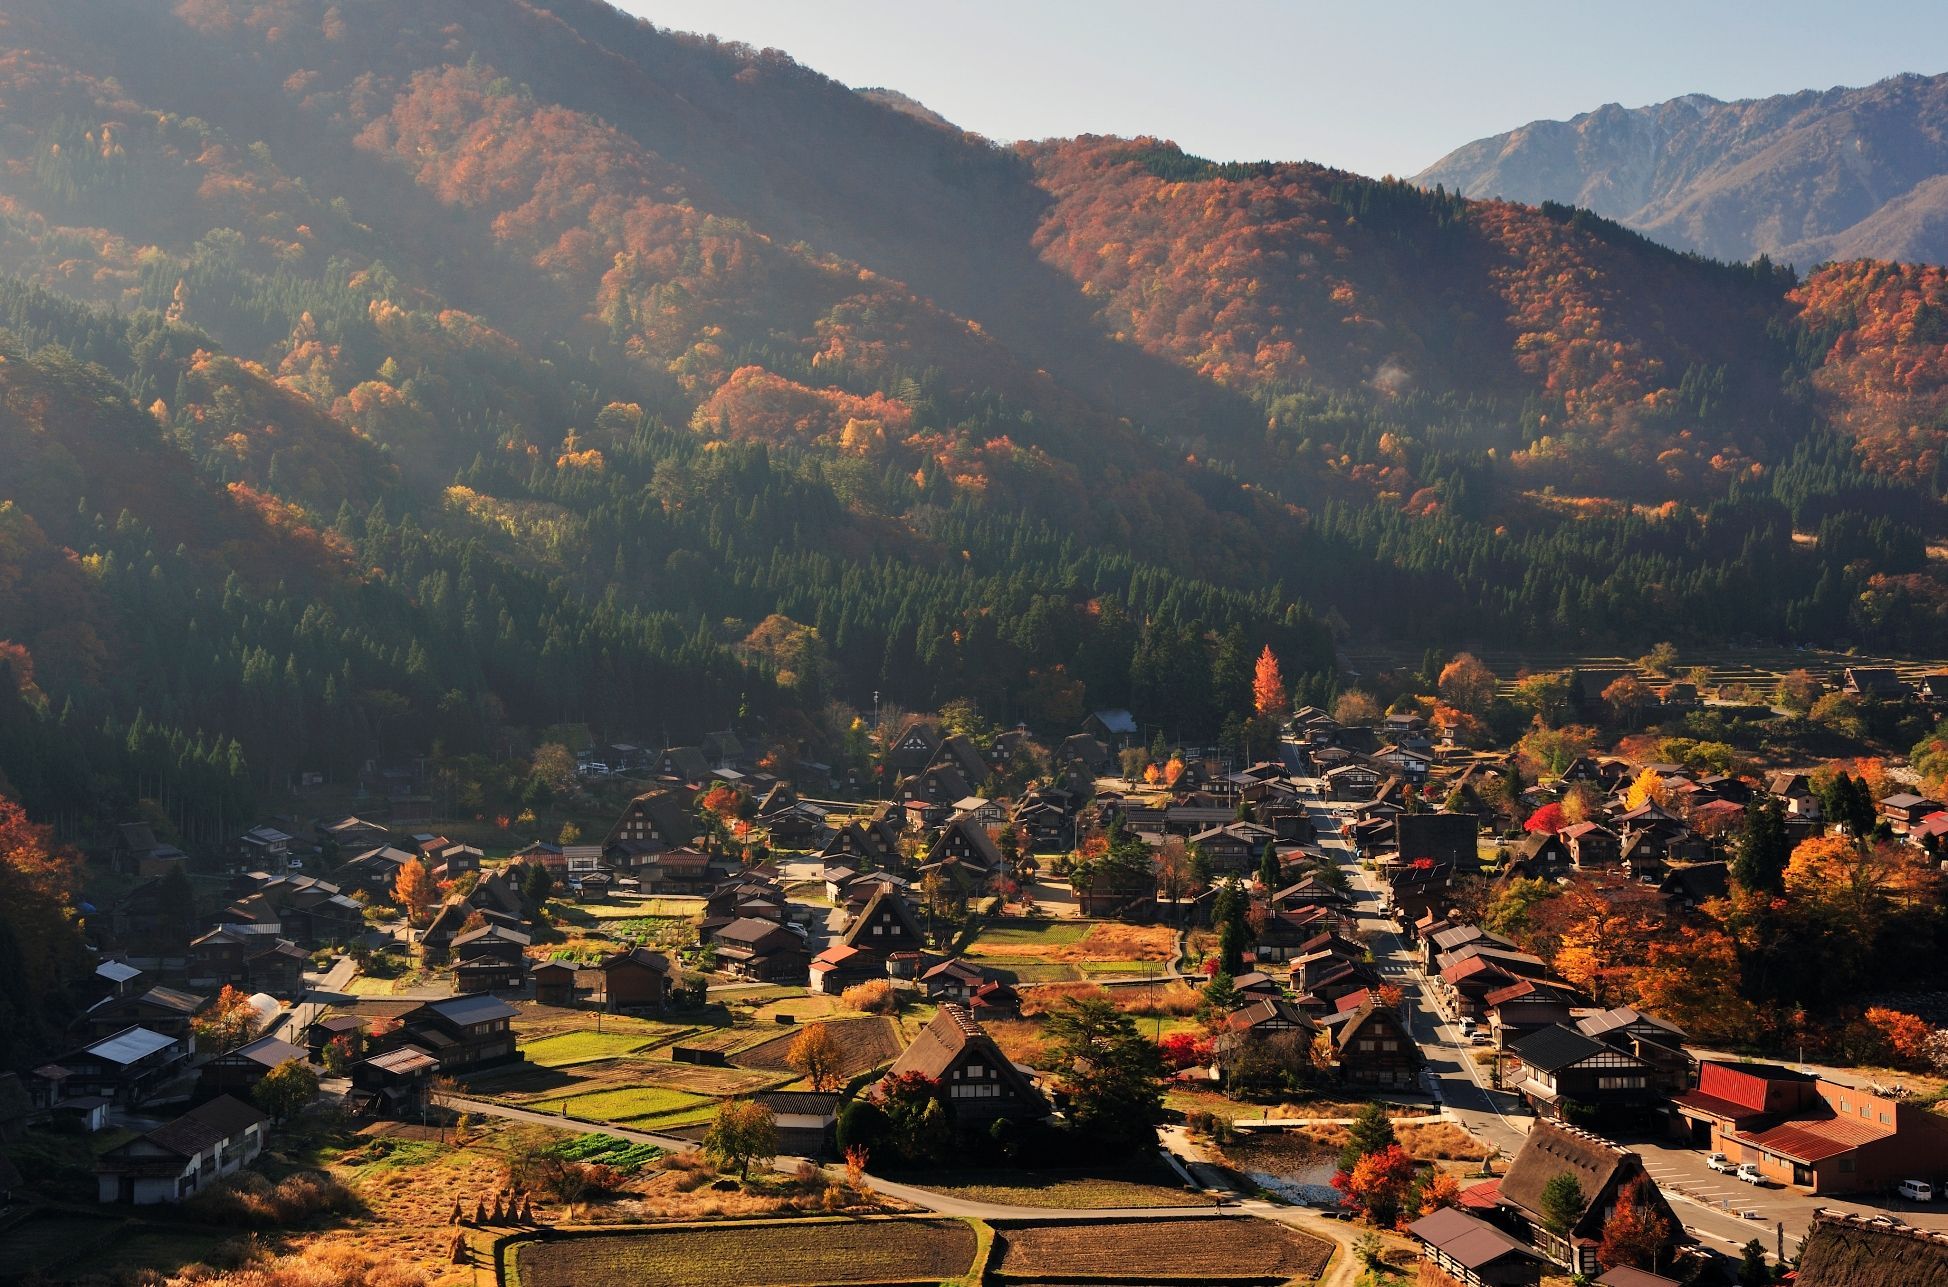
[1713, 1207]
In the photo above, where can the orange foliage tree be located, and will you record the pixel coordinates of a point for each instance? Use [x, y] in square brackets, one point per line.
[1378, 1185]
[1635, 1234]
[1268, 695]
[413, 890]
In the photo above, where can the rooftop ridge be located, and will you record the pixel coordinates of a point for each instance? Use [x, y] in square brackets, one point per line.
[1879, 1224]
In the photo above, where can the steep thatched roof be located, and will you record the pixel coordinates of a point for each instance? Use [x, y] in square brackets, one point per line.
[1552, 1149]
[1858, 1251]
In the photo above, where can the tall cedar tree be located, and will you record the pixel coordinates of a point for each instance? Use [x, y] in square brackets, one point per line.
[1371, 1132]
[1563, 1203]
[1763, 848]
[1113, 1075]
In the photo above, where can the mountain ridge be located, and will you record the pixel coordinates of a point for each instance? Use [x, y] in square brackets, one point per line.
[615, 375]
[1804, 177]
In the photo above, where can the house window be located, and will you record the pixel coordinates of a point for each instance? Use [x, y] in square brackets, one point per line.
[1620, 1083]
[879, 929]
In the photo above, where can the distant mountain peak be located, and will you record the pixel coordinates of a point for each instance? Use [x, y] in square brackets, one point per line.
[1840, 173]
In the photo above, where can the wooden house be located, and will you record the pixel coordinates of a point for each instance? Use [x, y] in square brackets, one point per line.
[394, 1083]
[1472, 1252]
[913, 748]
[980, 1083]
[636, 979]
[561, 983]
[1873, 683]
[1372, 1048]
[1562, 1070]
[182, 1157]
[126, 1067]
[654, 818]
[464, 1033]
[1602, 1172]
[841, 966]
[1115, 729]
[237, 1072]
[762, 950]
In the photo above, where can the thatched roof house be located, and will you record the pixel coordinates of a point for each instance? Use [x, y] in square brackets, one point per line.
[1602, 1171]
[1859, 1251]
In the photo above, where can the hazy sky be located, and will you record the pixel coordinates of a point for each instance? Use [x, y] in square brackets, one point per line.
[1378, 88]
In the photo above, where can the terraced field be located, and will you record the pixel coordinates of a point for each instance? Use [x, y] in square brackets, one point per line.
[567, 1048]
[755, 1254]
[1194, 1250]
[863, 1044]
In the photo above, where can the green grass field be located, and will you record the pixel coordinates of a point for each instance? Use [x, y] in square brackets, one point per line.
[998, 937]
[1078, 1190]
[580, 1047]
[646, 1106]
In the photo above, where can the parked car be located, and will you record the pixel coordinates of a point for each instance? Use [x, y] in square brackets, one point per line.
[1467, 1027]
[1916, 1190]
[1751, 1174]
[1720, 1163]
[1479, 1038]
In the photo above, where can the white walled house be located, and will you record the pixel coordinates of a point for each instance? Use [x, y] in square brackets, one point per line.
[184, 1156]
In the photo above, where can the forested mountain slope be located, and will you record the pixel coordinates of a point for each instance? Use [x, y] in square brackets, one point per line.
[436, 369]
[1835, 174]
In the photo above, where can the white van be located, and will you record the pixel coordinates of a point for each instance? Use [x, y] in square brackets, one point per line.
[1916, 1190]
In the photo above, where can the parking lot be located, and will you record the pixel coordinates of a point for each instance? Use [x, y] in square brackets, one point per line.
[1715, 1206]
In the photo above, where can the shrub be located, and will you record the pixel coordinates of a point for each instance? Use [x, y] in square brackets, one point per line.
[874, 997]
[252, 1201]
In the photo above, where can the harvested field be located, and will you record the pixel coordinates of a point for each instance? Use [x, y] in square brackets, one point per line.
[863, 1044]
[547, 1020]
[1440, 1141]
[1074, 942]
[1196, 1249]
[729, 1040]
[1145, 999]
[1022, 1040]
[755, 1255]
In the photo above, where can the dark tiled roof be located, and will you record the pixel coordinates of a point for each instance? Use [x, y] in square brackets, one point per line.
[200, 1128]
[1555, 1047]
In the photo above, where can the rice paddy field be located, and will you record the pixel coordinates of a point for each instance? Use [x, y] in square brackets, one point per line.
[1196, 1249]
[755, 1254]
[565, 1048]
[863, 1044]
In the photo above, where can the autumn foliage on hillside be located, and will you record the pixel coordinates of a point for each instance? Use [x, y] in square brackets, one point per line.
[1265, 276]
[1884, 372]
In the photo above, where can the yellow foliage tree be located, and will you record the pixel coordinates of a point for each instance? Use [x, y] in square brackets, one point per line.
[1647, 789]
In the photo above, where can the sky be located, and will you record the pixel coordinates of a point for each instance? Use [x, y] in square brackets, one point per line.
[1375, 88]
